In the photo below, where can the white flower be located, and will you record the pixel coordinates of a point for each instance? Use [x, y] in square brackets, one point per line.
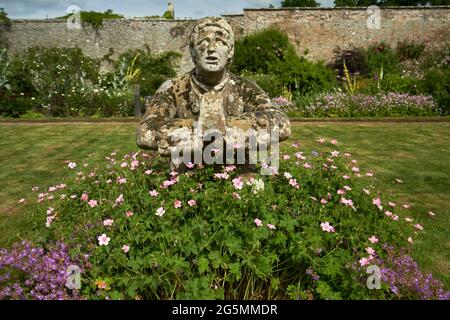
[160, 211]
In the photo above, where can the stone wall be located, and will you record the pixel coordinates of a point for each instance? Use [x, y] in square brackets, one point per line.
[315, 30]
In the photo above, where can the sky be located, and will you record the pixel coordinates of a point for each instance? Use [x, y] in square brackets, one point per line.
[41, 9]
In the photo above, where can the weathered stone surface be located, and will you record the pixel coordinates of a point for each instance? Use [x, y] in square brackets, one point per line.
[209, 95]
[317, 30]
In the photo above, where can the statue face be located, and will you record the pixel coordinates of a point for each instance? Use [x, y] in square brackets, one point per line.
[212, 50]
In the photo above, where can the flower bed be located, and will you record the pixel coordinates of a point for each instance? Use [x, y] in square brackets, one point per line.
[361, 105]
[307, 232]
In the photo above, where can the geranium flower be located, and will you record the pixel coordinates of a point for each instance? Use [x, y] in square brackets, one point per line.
[307, 165]
[327, 227]
[237, 183]
[341, 192]
[323, 201]
[192, 202]
[287, 175]
[84, 197]
[129, 214]
[373, 239]
[190, 165]
[334, 153]
[271, 226]
[72, 165]
[103, 240]
[160, 211]
[418, 227]
[92, 203]
[108, 222]
[364, 261]
[333, 141]
[148, 172]
[177, 204]
[370, 251]
[258, 222]
[153, 193]
[125, 248]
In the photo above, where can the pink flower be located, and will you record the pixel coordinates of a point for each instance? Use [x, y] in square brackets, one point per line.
[258, 222]
[286, 157]
[124, 164]
[237, 183]
[103, 240]
[52, 189]
[395, 217]
[293, 182]
[354, 161]
[347, 154]
[154, 193]
[148, 172]
[376, 202]
[295, 145]
[108, 222]
[370, 251]
[406, 206]
[92, 203]
[129, 214]
[334, 153]
[355, 169]
[168, 183]
[391, 204]
[173, 174]
[327, 227]
[221, 175]
[177, 204]
[346, 177]
[230, 168]
[287, 175]
[373, 239]
[119, 200]
[388, 213]
[320, 140]
[323, 201]
[271, 226]
[300, 156]
[307, 165]
[22, 200]
[347, 188]
[134, 164]
[333, 141]
[418, 227]
[364, 261]
[84, 197]
[72, 165]
[341, 192]
[369, 174]
[121, 180]
[236, 195]
[160, 211]
[190, 165]
[125, 248]
[192, 202]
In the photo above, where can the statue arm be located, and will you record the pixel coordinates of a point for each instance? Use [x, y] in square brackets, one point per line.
[153, 130]
[259, 106]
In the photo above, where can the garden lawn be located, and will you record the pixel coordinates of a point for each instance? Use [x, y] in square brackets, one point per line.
[416, 153]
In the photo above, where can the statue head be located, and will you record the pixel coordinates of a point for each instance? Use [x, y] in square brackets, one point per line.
[212, 44]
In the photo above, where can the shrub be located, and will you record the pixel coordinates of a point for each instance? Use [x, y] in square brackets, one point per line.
[95, 19]
[381, 55]
[269, 52]
[437, 83]
[355, 60]
[154, 69]
[407, 50]
[298, 234]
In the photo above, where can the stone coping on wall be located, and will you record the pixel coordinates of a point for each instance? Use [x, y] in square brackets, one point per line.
[346, 8]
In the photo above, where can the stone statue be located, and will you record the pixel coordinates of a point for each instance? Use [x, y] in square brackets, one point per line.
[209, 95]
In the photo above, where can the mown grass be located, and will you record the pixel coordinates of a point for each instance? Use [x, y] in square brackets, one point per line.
[416, 153]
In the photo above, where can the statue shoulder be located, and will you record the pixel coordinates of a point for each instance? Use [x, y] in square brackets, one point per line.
[245, 84]
[170, 85]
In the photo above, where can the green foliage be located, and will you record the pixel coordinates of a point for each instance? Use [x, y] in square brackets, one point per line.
[299, 3]
[94, 18]
[437, 83]
[154, 69]
[5, 24]
[381, 55]
[409, 50]
[269, 55]
[213, 249]
[355, 60]
[168, 15]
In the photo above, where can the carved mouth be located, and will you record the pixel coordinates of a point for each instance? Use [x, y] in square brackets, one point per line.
[212, 60]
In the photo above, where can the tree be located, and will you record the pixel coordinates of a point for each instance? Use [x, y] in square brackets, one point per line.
[299, 3]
